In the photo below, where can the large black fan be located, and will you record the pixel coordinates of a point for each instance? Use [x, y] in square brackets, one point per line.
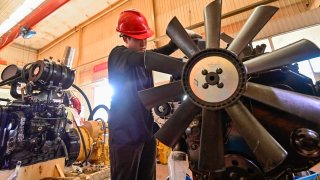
[215, 79]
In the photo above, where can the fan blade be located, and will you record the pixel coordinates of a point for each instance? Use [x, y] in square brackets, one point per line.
[170, 133]
[161, 94]
[298, 51]
[226, 38]
[181, 38]
[212, 21]
[163, 63]
[260, 16]
[211, 142]
[304, 106]
[266, 149]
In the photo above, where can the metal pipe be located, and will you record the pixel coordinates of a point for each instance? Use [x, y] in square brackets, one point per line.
[68, 56]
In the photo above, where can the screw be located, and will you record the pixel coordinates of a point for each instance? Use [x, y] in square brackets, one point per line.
[233, 175]
[204, 72]
[161, 108]
[205, 86]
[194, 146]
[219, 71]
[220, 85]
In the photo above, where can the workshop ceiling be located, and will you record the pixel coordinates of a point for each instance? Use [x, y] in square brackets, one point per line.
[75, 12]
[59, 22]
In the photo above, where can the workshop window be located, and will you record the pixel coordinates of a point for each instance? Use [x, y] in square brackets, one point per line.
[263, 41]
[102, 95]
[308, 67]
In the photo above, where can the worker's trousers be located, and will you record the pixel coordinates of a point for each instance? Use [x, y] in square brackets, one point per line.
[133, 162]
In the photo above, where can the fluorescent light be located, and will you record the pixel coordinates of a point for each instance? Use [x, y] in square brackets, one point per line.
[6, 25]
[25, 9]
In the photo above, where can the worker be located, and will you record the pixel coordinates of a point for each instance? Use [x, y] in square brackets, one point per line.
[131, 141]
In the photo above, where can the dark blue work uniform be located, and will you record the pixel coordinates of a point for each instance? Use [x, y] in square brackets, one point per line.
[131, 141]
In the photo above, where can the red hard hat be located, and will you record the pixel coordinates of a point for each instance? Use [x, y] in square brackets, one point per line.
[132, 23]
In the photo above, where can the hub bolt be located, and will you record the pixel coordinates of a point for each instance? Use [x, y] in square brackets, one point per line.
[219, 71]
[220, 85]
[204, 72]
[205, 85]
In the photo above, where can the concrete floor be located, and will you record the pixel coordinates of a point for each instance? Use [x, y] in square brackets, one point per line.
[162, 172]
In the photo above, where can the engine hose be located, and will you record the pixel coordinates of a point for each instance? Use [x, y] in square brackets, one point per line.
[103, 123]
[13, 91]
[89, 155]
[83, 142]
[85, 97]
[9, 80]
[25, 70]
[104, 129]
[16, 76]
[96, 109]
[65, 150]
[3, 99]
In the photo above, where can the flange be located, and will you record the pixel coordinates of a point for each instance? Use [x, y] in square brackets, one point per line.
[214, 78]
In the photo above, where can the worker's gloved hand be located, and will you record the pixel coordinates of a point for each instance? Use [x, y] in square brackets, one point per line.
[193, 35]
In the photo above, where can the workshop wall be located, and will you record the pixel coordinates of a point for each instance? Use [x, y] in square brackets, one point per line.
[16, 54]
[95, 38]
[292, 15]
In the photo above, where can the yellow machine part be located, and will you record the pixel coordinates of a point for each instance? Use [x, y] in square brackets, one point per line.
[163, 152]
[88, 142]
[96, 143]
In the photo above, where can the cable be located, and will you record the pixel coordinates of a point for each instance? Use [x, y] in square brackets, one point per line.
[83, 142]
[85, 97]
[104, 129]
[65, 150]
[96, 109]
[103, 123]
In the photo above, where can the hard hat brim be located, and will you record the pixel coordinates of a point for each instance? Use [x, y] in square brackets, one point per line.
[145, 35]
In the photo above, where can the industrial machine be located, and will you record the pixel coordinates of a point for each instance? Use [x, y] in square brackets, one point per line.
[39, 125]
[245, 117]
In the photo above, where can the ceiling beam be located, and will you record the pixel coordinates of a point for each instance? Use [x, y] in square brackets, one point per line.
[45, 9]
[82, 25]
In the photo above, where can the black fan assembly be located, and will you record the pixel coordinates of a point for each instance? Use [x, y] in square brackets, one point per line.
[216, 80]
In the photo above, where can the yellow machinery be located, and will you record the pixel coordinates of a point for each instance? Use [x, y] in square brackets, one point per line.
[96, 143]
[163, 152]
[95, 138]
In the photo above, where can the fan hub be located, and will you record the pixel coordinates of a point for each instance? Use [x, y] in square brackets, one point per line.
[214, 78]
